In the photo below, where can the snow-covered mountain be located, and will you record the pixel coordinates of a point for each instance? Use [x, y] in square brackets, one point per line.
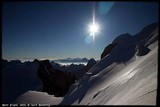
[122, 77]
[126, 75]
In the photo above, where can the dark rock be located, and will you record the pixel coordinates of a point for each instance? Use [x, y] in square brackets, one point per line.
[91, 62]
[81, 72]
[124, 39]
[107, 50]
[142, 49]
[55, 82]
[147, 31]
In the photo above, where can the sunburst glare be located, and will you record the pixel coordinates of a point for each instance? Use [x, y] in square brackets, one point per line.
[93, 27]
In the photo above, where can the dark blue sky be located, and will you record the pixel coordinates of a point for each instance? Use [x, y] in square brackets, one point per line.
[59, 29]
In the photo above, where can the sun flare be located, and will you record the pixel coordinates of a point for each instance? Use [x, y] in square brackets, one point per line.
[93, 29]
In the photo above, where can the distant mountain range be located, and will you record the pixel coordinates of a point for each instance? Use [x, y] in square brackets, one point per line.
[64, 60]
[72, 60]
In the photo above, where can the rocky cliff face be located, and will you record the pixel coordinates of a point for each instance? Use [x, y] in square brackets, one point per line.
[55, 82]
[18, 78]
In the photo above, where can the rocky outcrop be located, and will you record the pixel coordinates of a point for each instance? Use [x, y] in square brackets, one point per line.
[139, 41]
[82, 71]
[142, 49]
[107, 50]
[123, 39]
[55, 82]
[145, 37]
[147, 31]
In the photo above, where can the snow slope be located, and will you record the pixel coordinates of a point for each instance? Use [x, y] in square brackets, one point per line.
[124, 77]
[34, 97]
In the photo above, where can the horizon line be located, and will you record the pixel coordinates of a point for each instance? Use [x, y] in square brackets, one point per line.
[32, 59]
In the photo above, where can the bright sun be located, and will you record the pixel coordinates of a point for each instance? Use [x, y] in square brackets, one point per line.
[93, 29]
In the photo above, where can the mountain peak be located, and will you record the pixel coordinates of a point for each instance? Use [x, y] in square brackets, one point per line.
[146, 31]
[122, 39]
